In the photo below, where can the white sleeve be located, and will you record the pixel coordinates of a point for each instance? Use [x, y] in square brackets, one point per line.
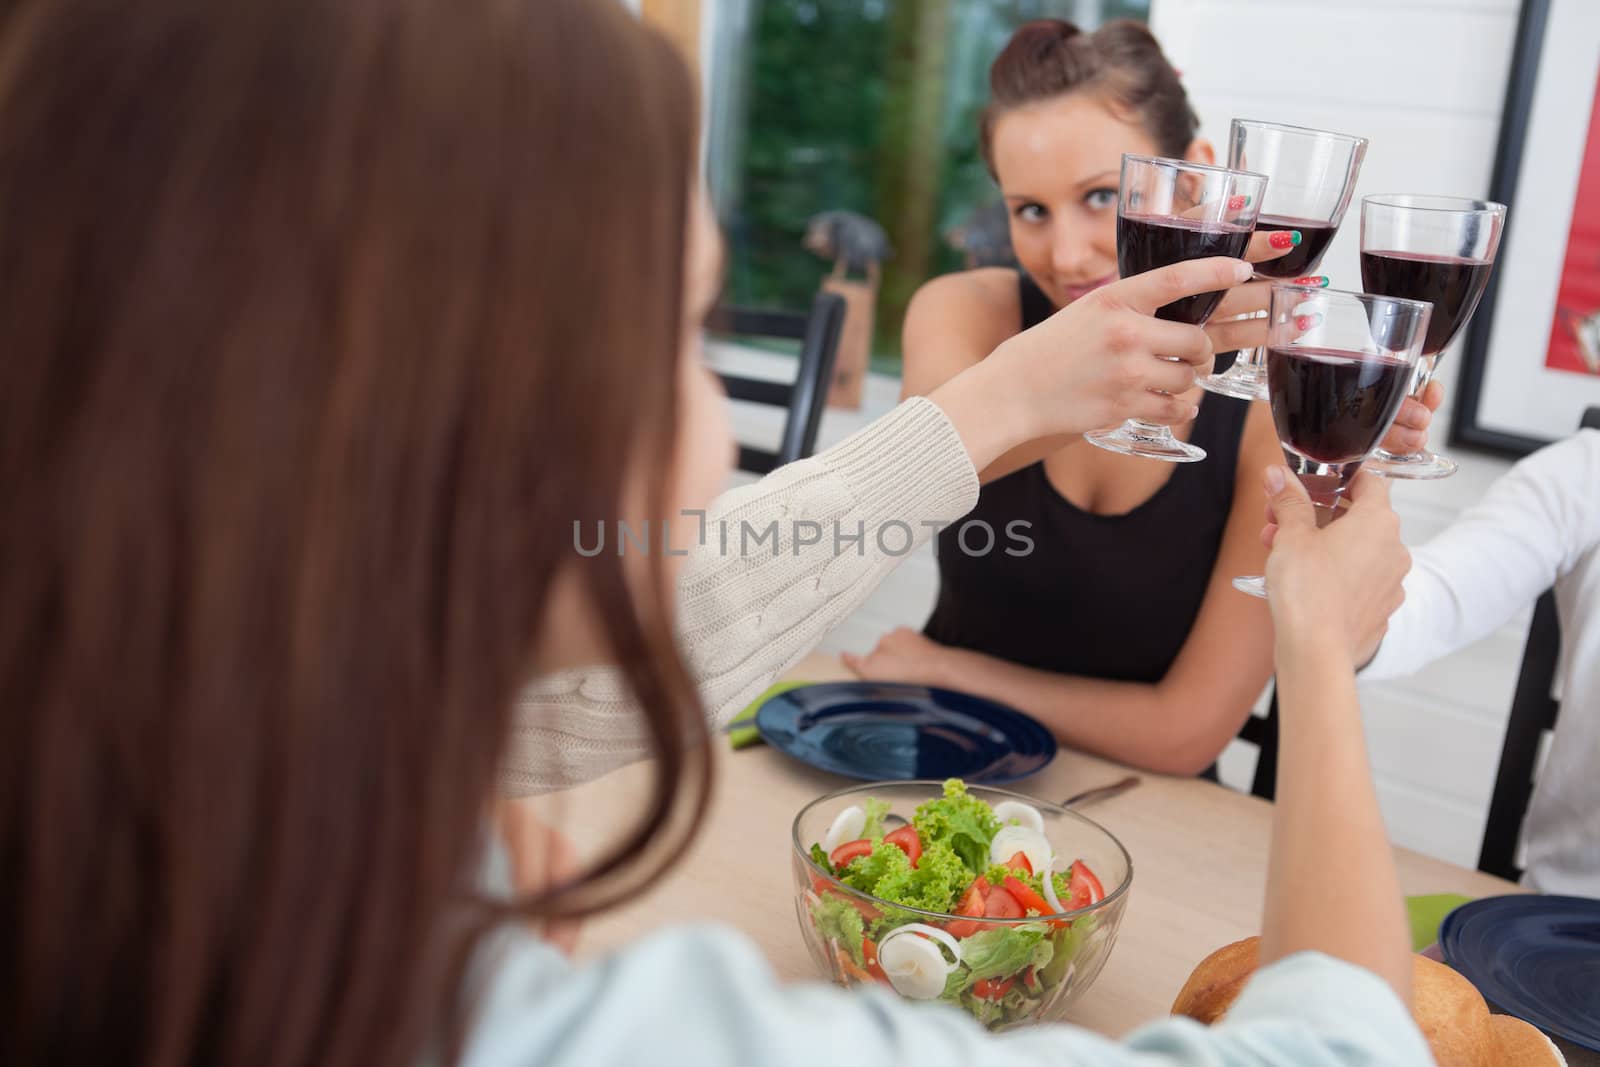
[780, 563]
[707, 997]
[1494, 561]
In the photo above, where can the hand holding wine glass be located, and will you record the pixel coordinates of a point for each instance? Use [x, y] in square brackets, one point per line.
[1339, 366]
[1101, 358]
[1240, 321]
[1340, 583]
[1170, 210]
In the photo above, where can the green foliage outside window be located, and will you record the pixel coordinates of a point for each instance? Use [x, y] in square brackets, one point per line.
[861, 105]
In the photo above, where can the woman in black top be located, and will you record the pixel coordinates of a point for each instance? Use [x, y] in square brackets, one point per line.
[1104, 606]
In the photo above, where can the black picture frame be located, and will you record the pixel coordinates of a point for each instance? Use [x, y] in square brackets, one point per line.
[1465, 430]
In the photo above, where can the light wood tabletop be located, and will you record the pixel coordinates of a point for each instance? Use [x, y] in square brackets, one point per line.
[1199, 854]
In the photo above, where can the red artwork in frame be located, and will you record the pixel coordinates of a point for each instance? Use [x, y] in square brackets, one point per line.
[1575, 330]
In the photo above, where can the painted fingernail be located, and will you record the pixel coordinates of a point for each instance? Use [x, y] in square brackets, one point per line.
[1307, 322]
[1284, 239]
[1318, 281]
[1239, 202]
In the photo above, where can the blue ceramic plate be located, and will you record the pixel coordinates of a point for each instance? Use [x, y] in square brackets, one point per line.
[1534, 957]
[881, 730]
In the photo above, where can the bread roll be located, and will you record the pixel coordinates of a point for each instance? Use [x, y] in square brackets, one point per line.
[1449, 1011]
[1521, 1045]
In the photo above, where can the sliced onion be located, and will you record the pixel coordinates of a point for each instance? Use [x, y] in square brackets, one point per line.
[1009, 840]
[1015, 811]
[913, 963]
[847, 826]
[914, 967]
[1049, 880]
[941, 936]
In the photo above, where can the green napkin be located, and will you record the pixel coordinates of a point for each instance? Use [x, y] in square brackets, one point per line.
[1427, 912]
[747, 735]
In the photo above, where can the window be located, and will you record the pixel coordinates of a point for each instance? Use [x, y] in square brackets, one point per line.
[868, 106]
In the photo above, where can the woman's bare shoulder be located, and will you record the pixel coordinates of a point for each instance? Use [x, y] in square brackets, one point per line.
[989, 293]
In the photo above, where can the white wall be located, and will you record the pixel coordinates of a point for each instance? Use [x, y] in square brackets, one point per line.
[1424, 81]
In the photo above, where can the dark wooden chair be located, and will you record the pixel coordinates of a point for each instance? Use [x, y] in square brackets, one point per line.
[1262, 732]
[805, 397]
[1533, 711]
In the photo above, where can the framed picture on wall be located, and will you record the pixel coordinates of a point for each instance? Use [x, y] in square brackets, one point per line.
[1532, 359]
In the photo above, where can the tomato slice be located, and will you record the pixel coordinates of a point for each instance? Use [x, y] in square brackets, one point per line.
[1000, 904]
[1019, 862]
[869, 954]
[992, 988]
[907, 841]
[1030, 979]
[1083, 888]
[850, 850]
[971, 904]
[1025, 896]
[850, 968]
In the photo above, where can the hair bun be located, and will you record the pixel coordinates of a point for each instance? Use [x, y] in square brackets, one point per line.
[1041, 44]
[1122, 60]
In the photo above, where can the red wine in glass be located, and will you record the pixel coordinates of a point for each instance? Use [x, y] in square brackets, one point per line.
[1333, 406]
[1453, 286]
[1303, 258]
[1146, 242]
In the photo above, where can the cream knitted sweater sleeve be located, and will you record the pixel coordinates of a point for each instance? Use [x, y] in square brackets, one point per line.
[777, 564]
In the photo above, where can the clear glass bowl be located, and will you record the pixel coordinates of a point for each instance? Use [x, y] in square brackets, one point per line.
[1045, 981]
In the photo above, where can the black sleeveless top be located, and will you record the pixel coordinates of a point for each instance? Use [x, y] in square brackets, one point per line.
[1106, 596]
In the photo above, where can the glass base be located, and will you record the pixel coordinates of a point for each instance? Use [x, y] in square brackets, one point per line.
[1255, 586]
[1135, 438]
[1418, 465]
[1242, 381]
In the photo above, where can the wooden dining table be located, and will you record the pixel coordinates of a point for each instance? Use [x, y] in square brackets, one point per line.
[1199, 857]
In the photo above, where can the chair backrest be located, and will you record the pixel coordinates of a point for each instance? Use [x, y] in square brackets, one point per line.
[804, 398]
[1262, 731]
[1533, 711]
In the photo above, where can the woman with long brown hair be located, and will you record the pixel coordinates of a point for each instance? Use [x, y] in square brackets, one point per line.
[311, 364]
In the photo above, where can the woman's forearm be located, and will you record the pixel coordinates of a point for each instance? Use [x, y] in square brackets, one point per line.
[1331, 881]
[1140, 724]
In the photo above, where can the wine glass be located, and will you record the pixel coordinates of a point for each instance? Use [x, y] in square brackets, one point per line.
[1339, 366]
[1434, 248]
[1312, 176]
[1170, 210]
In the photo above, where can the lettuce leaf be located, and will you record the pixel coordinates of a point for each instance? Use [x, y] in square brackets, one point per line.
[885, 863]
[1000, 951]
[1067, 942]
[876, 809]
[837, 919]
[962, 821]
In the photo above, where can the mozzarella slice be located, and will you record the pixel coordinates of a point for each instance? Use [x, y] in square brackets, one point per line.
[1015, 811]
[847, 826]
[910, 957]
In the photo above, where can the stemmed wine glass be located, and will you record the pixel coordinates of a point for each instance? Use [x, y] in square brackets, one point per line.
[1339, 366]
[1434, 248]
[1312, 176]
[1170, 210]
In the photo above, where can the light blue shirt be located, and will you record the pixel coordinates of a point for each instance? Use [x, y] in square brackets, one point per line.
[704, 996]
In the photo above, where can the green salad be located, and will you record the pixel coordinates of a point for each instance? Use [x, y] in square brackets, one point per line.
[998, 949]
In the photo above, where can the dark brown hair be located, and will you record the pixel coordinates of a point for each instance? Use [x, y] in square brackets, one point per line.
[1120, 61]
[308, 370]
